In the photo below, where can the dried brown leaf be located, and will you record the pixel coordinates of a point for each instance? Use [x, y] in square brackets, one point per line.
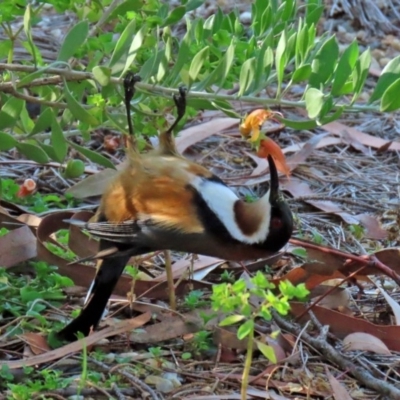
[170, 328]
[17, 246]
[338, 390]
[199, 264]
[368, 140]
[342, 325]
[365, 342]
[190, 136]
[299, 188]
[37, 343]
[394, 305]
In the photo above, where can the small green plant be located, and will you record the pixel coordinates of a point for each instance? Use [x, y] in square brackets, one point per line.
[30, 300]
[193, 299]
[357, 231]
[233, 299]
[227, 276]
[35, 202]
[317, 238]
[39, 382]
[132, 271]
[156, 352]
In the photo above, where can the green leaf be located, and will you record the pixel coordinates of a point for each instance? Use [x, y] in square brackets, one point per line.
[33, 152]
[58, 141]
[232, 319]
[226, 107]
[300, 252]
[123, 8]
[314, 11]
[302, 73]
[200, 104]
[391, 99]
[174, 16]
[134, 47]
[7, 142]
[360, 73]
[49, 150]
[327, 106]
[77, 110]
[245, 329]
[182, 58]
[324, 63]
[13, 107]
[288, 10]
[221, 71]
[301, 43]
[332, 117]
[6, 120]
[150, 67]
[299, 125]
[43, 122]
[28, 32]
[102, 75]
[193, 4]
[314, 102]
[345, 67]
[93, 156]
[27, 123]
[267, 351]
[264, 63]
[74, 39]
[117, 61]
[280, 59]
[197, 63]
[390, 73]
[247, 74]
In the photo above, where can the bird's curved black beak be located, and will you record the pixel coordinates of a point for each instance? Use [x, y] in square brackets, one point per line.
[274, 195]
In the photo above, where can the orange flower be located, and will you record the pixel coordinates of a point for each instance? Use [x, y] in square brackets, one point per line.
[269, 147]
[27, 188]
[253, 122]
[265, 146]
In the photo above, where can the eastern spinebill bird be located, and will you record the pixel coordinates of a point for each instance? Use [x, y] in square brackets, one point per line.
[162, 201]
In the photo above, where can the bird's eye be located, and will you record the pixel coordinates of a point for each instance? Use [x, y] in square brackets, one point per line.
[276, 223]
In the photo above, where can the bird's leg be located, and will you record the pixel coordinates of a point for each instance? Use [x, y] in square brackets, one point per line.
[167, 141]
[180, 103]
[129, 88]
[170, 280]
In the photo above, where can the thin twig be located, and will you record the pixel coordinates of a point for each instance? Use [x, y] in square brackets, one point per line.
[331, 354]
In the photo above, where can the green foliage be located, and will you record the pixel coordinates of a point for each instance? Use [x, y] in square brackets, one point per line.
[279, 50]
[194, 299]
[233, 298]
[35, 202]
[22, 300]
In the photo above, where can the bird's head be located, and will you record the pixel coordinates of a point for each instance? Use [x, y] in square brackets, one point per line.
[281, 218]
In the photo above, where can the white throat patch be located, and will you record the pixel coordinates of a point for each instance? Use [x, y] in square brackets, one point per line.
[221, 200]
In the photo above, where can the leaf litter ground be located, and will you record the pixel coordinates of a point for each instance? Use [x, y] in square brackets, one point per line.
[344, 191]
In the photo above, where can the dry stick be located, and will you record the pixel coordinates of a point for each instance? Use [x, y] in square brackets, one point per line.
[335, 357]
[366, 261]
[72, 75]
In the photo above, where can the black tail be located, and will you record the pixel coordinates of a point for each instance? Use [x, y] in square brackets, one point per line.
[106, 278]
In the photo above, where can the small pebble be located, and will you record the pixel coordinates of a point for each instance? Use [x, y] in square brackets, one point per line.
[383, 61]
[163, 385]
[245, 17]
